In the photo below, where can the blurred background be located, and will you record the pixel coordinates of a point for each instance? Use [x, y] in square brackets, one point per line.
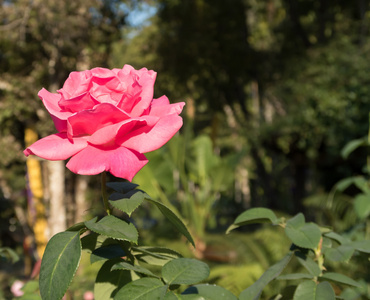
[274, 90]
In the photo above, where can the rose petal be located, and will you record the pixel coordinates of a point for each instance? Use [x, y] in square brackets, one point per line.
[102, 73]
[165, 110]
[106, 87]
[121, 162]
[88, 121]
[128, 101]
[146, 124]
[59, 117]
[163, 100]
[109, 133]
[78, 103]
[127, 69]
[56, 147]
[110, 91]
[139, 93]
[153, 138]
[146, 88]
[76, 84]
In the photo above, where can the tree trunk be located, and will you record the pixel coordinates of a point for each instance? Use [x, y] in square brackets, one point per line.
[81, 207]
[36, 206]
[57, 212]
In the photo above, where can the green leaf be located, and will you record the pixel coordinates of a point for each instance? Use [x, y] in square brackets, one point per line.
[295, 276]
[327, 243]
[107, 252]
[341, 253]
[324, 290]
[337, 237]
[210, 292]
[254, 291]
[308, 290]
[160, 252]
[343, 184]
[172, 296]
[254, 215]
[59, 264]
[108, 283]
[157, 256]
[362, 205]
[114, 228]
[184, 271]
[350, 294]
[359, 181]
[203, 159]
[9, 254]
[304, 235]
[362, 246]
[142, 289]
[31, 286]
[89, 242]
[126, 266]
[362, 183]
[176, 221]
[352, 146]
[30, 297]
[77, 227]
[127, 202]
[325, 229]
[307, 262]
[122, 187]
[340, 278]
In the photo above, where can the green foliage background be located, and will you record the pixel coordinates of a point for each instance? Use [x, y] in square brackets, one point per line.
[274, 90]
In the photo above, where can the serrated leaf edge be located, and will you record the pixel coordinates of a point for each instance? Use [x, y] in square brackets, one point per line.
[117, 239]
[74, 273]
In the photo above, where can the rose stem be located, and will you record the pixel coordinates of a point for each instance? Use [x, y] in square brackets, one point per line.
[104, 192]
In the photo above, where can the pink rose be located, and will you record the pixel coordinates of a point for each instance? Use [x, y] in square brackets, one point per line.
[16, 288]
[106, 120]
[88, 295]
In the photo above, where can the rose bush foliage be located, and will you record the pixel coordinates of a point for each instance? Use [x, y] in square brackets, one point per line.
[106, 120]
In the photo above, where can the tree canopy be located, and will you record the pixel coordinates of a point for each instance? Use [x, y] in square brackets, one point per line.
[285, 80]
[292, 74]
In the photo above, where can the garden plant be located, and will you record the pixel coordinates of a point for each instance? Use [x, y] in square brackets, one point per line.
[106, 121]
